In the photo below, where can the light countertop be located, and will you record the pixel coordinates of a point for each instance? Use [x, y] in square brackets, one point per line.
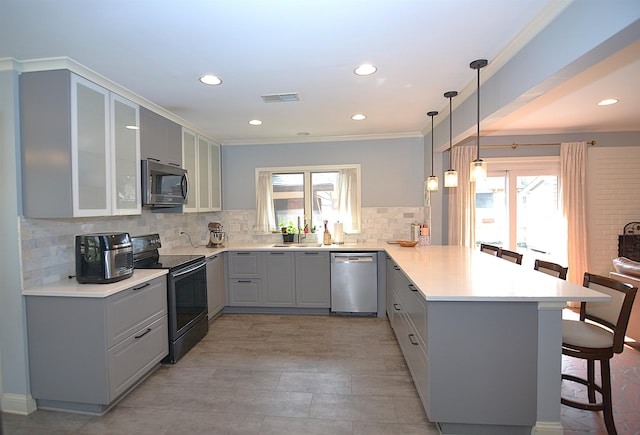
[455, 273]
[441, 273]
[72, 288]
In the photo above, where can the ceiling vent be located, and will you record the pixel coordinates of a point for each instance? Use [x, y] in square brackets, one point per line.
[281, 98]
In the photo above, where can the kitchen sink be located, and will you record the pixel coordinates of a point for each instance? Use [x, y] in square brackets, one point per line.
[302, 245]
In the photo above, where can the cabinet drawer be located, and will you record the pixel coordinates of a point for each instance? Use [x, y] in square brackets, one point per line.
[128, 310]
[244, 292]
[416, 308]
[244, 264]
[135, 355]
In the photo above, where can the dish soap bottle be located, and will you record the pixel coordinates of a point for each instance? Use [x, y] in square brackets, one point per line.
[327, 234]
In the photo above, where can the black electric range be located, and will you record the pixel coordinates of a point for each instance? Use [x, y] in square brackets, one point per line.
[186, 292]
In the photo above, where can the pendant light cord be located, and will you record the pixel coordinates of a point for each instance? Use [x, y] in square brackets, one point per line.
[478, 64]
[432, 114]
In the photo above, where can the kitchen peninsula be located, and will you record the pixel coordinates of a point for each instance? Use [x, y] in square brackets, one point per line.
[481, 336]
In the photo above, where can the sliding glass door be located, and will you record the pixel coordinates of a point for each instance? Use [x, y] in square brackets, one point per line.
[518, 208]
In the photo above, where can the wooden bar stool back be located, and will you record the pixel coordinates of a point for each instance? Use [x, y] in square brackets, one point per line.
[592, 342]
[490, 249]
[550, 268]
[511, 256]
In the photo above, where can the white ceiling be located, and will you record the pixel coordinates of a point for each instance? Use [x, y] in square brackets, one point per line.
[159, 48]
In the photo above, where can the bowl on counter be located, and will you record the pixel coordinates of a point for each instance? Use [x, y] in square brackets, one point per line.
[407, 243]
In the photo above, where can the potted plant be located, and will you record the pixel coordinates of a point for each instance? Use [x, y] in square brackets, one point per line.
[288, 232]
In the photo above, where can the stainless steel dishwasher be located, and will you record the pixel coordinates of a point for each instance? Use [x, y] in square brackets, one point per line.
[354, 282]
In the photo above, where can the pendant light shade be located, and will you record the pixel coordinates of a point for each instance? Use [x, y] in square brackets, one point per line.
[432, 180]
[478, 169]
[450, 175]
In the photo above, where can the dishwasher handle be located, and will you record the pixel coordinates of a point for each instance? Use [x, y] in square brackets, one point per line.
[353, 259]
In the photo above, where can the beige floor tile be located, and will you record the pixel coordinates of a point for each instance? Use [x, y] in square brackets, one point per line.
[178, 397]
[229, 378]
[216, 423]
[410, 410]
[306, 426]
[361, 428]
[370, 366]
[387, 385]
[124, 420]
[356, 408]
[279, 404]
[332, 383]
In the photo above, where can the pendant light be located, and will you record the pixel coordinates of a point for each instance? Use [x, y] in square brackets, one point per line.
[450, 175]
[432, 180]
[478, 168]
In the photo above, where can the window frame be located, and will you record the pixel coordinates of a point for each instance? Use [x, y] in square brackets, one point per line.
[307, 171]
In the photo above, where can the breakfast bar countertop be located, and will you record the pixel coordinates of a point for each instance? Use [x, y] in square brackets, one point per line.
[456, 273]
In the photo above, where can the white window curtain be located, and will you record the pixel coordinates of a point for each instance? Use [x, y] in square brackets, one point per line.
[573, 178]
[265, 213]
[462, 200]
[348, 209]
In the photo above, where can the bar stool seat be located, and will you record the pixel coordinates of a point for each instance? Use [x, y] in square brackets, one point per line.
[598, 340]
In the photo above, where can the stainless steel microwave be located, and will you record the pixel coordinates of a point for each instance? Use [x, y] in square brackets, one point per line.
[163, 185]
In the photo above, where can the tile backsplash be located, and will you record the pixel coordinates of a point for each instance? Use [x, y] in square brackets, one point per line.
[48, 244]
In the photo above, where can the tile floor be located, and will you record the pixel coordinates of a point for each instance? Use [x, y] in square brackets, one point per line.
[272, 374]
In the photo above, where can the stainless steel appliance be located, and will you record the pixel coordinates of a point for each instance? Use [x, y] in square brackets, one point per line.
[354, 282]
[186, 292]
[216, 235]
[103, 258]
[163, 185]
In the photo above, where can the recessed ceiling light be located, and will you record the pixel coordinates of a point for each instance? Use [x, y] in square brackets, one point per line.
[255, 122]
[210, 79]
[607, 102]
[358, 117]
[366, 69]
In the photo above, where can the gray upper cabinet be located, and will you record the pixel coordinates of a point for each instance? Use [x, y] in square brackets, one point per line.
[313, 282]
[201, 159]
[160, 138]
[80, 148]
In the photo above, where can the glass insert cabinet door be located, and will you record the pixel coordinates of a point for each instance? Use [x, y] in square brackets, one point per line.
[125, 134]
[90, 147]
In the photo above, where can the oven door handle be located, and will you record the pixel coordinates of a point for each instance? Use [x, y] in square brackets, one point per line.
[189, 270]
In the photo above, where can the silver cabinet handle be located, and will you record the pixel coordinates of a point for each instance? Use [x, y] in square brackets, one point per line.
[395, 306]
[140, 287]
[396, 268]
[413, 288]
[411, 338]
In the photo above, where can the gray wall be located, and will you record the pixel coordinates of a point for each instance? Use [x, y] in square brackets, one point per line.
[13, 349]
[392, 170]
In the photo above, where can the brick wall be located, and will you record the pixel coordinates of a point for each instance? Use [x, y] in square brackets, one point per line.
[613, 200]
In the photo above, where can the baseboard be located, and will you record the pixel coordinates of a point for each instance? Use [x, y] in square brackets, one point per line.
[547, 428]
[18, 404]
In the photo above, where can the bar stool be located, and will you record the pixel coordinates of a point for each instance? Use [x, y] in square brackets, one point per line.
[550, 268]
[591, 342]
[511, 256]
[490, 249]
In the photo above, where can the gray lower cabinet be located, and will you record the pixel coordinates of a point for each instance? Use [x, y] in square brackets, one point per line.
[279, 279]
[450, 345]
[244, 270]
[216, 294]
[84, 353]
[313, 280]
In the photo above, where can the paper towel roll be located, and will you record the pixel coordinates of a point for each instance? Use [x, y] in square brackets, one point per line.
[337, 233]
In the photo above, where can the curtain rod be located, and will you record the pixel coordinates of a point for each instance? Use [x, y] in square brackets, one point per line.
[516, 145]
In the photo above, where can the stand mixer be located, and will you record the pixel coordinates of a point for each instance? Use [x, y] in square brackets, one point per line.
[216, 235]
